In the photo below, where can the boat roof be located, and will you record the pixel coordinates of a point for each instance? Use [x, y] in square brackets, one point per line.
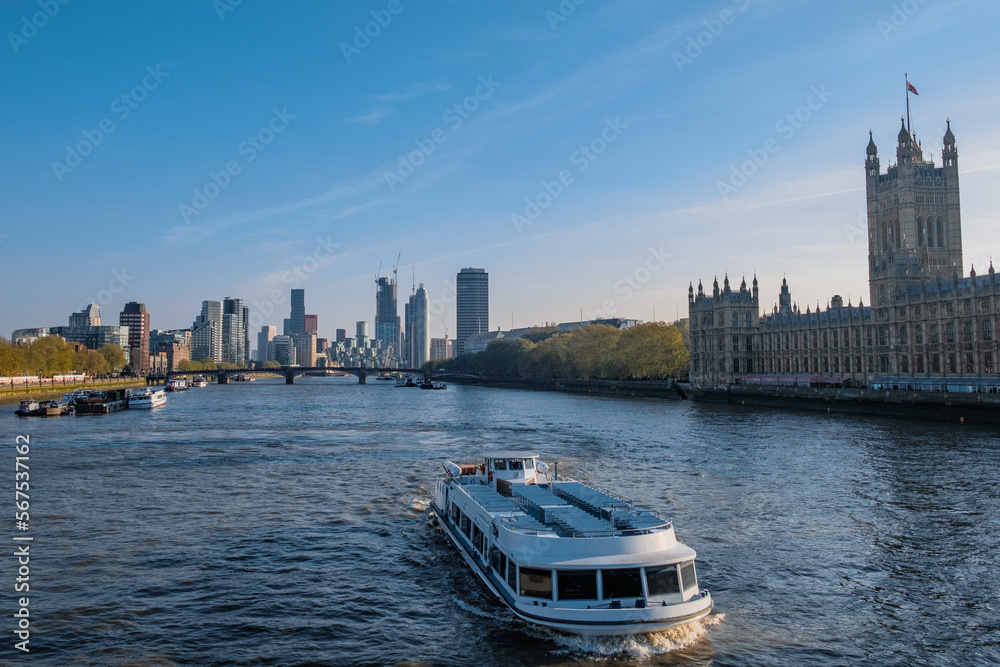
[510, 455]
[566, 508]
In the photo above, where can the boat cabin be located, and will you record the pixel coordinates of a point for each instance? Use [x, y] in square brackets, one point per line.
[502, 469]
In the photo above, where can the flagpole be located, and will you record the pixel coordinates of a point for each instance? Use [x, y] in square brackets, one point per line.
[907, 77]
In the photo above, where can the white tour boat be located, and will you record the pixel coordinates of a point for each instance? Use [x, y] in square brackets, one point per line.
[146, 398]
[564, 555]
[198, 381]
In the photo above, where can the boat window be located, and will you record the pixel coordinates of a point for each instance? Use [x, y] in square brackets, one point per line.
[500, 464]
[512, 574]
[529, 464]
[515, 464]
[622, 583]
[577, 584]
[536, 583]
[499, 561]
[688, 576]
[662, 580]
[466, 526]
[477, 538]
[455, 514]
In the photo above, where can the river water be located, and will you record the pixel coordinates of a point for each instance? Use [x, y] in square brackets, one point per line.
[259, 524]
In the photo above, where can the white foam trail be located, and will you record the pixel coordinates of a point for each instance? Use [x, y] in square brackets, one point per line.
[420, 505]
[637, 647]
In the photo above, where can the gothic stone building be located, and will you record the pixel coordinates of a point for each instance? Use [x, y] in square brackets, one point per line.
[924, 326]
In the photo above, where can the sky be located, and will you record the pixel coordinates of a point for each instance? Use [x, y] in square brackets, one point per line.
[593, 157]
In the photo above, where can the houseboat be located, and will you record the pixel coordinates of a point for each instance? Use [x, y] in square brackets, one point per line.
[30, 408]
[563, 555]
[146, 398]
[96, 402]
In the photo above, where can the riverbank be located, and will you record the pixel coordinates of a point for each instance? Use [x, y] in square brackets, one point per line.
[975, 408]
[633, 388]
[56, 391]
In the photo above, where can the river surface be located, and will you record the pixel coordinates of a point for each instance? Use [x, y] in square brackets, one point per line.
[265, 524]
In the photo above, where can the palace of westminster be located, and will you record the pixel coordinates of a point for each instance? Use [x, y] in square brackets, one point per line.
[924, 324]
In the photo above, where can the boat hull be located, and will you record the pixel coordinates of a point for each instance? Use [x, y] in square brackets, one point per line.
[581, 621]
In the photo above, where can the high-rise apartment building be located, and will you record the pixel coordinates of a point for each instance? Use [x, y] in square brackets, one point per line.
[418, 325]
[472, 288]
[280, 349]
[305, 348]
[135, 317]
[387, 326]
[312, 324]
[206, 333]
[341, 335]
[264, 336]
[361, 329]
[234, 334]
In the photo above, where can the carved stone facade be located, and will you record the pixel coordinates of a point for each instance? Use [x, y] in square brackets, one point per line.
[925, 321]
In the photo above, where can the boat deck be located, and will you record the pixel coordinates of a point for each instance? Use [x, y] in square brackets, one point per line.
[569, 509]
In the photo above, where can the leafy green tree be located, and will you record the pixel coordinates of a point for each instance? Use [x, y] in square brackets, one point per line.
[114, 355]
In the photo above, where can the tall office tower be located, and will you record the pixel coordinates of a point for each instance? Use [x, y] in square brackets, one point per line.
[312, 324]
[418, 323]
[361, 329]
[266, 334]
[286, 327]
[341, 335]
[233, 333]
[135, 317]
[387, 329]
[90, 316]
[298, 318]
[472, 288]
[321, 345]
[206, 333]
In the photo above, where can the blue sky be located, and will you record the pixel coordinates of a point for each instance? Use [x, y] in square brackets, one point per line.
[574, 151]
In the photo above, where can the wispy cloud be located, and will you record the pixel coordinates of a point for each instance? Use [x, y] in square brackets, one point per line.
[414, 90]
[372, 118]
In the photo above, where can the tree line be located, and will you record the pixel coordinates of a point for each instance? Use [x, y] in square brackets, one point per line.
[51, 355]
[652, 351]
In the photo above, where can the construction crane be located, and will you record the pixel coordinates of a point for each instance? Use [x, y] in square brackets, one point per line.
[379, 272]
[395, 267]
[445, 329]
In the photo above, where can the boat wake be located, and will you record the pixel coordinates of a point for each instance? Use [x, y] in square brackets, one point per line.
[636, 647]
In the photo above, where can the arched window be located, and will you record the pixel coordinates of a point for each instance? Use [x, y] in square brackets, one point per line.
[940, 234]
[930, 233]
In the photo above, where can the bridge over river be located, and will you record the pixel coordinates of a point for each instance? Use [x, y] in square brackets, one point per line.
[291, 372]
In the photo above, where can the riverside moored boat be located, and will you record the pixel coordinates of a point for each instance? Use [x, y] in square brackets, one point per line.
[30, 408]
[561, 554]
[146, 398]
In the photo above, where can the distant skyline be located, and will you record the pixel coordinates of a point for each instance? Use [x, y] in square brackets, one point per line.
[594, 158]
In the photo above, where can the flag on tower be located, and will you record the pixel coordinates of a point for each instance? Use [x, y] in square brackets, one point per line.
[909, 87]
